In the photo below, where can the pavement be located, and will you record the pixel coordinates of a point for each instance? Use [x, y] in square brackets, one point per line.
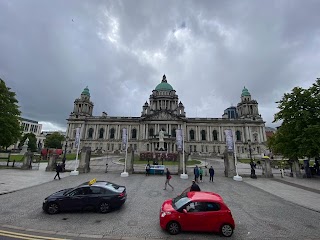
[302, 192]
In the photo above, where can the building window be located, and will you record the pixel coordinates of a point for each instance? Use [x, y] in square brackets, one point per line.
[214, 149]
[206, 148]
[202, 148]
[90, 133]
[215, 135]
[255, 137]
[190, 148]
[238, 134]
[112, 135]
[195, 148]
[134, 133]
[101, 132]
[151, 132]
[173, 133]
[191, 135]
[219, 149]
[135, 147]
[203, 135]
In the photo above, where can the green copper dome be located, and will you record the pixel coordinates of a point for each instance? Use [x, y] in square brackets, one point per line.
[86, 91]
[245, 92]
[164, 86]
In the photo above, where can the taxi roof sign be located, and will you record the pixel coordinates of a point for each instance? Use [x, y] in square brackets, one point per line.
[92, 181]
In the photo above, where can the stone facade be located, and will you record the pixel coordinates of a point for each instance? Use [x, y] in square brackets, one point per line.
[165, 112]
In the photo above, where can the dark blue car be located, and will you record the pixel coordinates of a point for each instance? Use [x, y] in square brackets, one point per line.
[101, 196]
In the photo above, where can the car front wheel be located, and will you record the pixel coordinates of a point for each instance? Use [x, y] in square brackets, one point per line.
[52, 208]
[226, 230]
[104, 207]
[173, 228]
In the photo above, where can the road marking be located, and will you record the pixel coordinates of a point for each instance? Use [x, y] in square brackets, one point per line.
[26, 236]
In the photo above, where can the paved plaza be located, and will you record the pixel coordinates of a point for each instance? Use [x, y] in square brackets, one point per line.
[280, 208]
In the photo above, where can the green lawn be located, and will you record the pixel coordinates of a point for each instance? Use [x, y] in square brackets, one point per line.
[167, 163]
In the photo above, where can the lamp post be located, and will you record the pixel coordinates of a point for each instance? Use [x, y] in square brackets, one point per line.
[65, 151]
[253, 171]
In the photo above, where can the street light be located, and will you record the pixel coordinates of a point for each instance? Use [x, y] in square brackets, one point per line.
[253, 171]
[65, 151]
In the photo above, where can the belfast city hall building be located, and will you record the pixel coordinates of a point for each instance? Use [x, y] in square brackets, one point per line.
[164, 114]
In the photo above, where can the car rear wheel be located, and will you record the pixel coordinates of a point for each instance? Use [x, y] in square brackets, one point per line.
[53, 208]
[173, 228]
[104, 207]
[226, 230]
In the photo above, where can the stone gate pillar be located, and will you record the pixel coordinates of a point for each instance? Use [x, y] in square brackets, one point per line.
[84, 164]
[27, 160]
[130, 158]
[266, 168]
[296, 168]
[52, 162]
[229, 164]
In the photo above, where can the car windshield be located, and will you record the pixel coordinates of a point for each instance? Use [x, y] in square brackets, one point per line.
[180, 201]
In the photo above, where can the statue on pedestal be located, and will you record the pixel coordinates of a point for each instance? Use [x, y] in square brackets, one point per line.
[161, 135]
[26, 142]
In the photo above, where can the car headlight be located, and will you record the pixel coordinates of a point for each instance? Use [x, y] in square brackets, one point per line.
[163, 214]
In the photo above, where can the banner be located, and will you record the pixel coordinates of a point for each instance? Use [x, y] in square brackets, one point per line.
[77, 140]
[124, 138]
[229, 139]
[179, 139]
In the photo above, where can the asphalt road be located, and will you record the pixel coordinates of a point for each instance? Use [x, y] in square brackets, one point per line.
[258, 214]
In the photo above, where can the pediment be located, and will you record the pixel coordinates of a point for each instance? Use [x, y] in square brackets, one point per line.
[162, 115]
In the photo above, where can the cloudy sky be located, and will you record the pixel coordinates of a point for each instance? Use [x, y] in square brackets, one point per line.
[209, 50]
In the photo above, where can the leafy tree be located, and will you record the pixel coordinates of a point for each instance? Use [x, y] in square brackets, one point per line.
[32, 144]
[10, 130]
[298, 136]
[54, 140]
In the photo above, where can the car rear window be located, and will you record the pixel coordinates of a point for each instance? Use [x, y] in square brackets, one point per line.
[114, 187]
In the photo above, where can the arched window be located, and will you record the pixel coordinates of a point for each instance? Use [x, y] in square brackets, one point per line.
[255, 137]
[238, 134]
[215, 135]
[90, 133]
[191, 135]
[173, 133]
[101, 132]
[112, 133]
[134, 133]
[203, 135]
[151, 132]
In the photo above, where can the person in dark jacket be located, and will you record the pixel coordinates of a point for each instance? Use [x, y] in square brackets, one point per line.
[194, 187]
[168, 177]
[58, 170]
[211, 173]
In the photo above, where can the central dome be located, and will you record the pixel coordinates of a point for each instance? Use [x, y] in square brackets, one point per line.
[164, 86]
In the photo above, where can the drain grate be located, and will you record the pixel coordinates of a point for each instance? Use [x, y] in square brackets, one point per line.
[64, 218]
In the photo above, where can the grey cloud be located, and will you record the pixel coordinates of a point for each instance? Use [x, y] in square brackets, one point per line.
[209, 50]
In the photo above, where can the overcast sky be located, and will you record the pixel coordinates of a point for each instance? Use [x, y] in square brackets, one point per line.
[209, 50]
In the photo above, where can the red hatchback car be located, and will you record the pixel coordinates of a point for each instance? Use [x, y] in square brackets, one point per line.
[197, 211]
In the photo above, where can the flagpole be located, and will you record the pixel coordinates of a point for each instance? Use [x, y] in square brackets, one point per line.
[183, 175]
[78, 136]
[237, 177]
[125, 173]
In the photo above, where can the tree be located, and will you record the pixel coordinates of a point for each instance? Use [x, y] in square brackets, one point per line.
[54, 140]
[10, 129]
[32, 145]
[298, 136]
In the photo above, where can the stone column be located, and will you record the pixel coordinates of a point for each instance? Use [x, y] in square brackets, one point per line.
[229, 164]
[52, 162]
[27, 160]
[296, 169]
[130, 158]
[266, 168]
[84, 164]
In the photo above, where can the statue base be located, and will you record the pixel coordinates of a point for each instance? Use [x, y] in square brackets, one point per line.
[237, 178]
[124, 174]
[184, 176]
[74, 173]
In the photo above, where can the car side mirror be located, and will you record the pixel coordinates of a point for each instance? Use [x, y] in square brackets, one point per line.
[184, 211]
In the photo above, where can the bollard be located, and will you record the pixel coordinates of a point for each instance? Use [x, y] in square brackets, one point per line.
[106, 167]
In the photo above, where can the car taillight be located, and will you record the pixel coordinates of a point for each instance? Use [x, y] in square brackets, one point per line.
[121, 195]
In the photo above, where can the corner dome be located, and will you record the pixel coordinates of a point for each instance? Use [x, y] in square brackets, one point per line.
[164, 86]
[86, 92]
[245, 92]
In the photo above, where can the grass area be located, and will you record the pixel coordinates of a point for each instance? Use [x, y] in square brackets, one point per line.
[167, 163]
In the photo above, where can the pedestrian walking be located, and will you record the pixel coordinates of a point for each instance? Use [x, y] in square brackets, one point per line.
[168, 177]
[196, 173]
[211, 173]
[194, 187]
[148, 169]
[58, 170]
[200, 174]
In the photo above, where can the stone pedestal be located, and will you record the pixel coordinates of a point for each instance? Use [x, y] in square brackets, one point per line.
[27, 160]
[52, 162]
[130, 157]
[296, 169]
[229, 164]
[266, 168]
[84, 163]
[24, 149]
